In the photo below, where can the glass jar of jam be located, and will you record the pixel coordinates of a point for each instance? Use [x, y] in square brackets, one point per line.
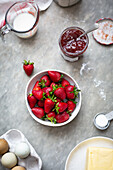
[72, 47]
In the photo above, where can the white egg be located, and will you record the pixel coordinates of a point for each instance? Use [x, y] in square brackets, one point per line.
[22, 150]
[9, 160]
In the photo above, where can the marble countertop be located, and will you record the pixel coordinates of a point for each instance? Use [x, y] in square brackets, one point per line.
[93, 72]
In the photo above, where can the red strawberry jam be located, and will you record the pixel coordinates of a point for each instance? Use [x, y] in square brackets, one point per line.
[72, 46]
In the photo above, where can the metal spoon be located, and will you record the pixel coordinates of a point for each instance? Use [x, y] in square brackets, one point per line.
[109, 117]
[94, 27]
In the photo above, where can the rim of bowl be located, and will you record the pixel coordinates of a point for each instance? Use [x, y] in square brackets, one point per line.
[77, 53]
[47, 123]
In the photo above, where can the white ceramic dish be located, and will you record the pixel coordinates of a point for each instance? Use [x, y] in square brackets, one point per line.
[77, 157]
[28, 90]
[33, 161]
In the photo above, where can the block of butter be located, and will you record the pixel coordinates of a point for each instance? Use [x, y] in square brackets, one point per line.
[99, 158]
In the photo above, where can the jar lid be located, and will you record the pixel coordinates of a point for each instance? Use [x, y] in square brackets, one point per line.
[104, 34]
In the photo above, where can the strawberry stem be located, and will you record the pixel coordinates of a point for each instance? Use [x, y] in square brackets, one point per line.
[44, 97]
[73, 101]
[44, 117]
[53, 98]
[75, 91]
[56, 108]
[52, 119]
[42, 83]
[69, 112]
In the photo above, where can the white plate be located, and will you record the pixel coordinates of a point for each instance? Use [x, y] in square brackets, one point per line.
[77, 157]
[30, 86]
[33, 161]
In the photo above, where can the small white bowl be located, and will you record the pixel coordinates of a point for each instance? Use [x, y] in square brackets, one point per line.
[29, 88]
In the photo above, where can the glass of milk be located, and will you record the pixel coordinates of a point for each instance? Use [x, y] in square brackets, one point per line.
[21, 18]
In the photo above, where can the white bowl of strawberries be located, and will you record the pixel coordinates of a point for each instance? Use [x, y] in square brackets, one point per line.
[53, 98]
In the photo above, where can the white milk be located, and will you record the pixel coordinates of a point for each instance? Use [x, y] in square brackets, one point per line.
[23, 22]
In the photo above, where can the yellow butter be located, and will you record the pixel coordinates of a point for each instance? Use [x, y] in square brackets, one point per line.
[99, 158]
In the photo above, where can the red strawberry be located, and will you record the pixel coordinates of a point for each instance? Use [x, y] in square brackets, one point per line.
[51, 117]
[48, 105]
[47, 90]
[28, 67]
[71, 106]
[57, 100]
[71, 91]
[51, 114]
[54, 76]
[60, 93]
[40, 95]
[61, 107]
[32, 100]
[38, 112]
[3, 23]
[36, 86]
[65, 82]
[45, 81]
[52, 84]
[41, 103]
[60, 118]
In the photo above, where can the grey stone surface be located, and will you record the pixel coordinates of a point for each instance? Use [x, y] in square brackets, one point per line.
[96, 81]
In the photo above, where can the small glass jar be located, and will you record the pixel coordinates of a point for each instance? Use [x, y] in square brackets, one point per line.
[72, 48]
[66, 3]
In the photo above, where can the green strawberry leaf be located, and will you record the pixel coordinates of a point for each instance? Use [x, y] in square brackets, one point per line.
[44, 97]
[56, 108]
[28, 62]
[73, 101]
[30, 94]
[75, 91]
[53, 98]
[62, 76]
[44, 117]
[69, 112]
[31, 63]
[52, 119]
[25, 62]
[60, 85]
[55, 87]
[50, 92]
[42, 83]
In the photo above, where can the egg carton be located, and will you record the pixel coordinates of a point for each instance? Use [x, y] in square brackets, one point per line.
[14, 137]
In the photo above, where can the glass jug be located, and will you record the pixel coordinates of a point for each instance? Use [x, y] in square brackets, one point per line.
[22, 19]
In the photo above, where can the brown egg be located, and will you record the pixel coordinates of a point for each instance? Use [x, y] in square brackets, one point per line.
[18, 168]
[3, 146]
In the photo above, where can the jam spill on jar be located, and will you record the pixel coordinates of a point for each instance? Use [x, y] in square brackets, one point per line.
[70, 43]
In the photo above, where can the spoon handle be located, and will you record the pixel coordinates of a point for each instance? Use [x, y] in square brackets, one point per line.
[94, 27]
[109, 115]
